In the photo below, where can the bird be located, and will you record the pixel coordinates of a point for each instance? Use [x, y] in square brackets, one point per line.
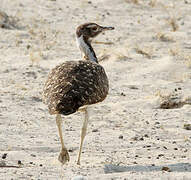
[77, 84]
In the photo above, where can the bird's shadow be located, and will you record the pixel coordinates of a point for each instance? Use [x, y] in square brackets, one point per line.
[178, 167]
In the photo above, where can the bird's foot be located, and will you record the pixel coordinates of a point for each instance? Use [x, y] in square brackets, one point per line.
[64, 156]
[78, 162]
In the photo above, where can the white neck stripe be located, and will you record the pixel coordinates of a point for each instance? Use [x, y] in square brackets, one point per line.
[86, 49]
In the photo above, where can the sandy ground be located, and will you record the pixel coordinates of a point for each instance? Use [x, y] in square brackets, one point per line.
[132, 134]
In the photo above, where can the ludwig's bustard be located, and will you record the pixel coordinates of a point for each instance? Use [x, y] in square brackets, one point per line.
[76, 84]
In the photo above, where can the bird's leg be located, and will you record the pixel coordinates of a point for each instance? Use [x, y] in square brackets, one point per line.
[83, 133]
[64, 156]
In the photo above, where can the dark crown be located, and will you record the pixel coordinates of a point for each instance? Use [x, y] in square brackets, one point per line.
[91, 30]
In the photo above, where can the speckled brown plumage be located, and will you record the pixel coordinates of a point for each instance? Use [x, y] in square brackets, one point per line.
[74, 84]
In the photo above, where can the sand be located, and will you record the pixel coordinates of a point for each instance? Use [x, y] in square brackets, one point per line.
[138, 131]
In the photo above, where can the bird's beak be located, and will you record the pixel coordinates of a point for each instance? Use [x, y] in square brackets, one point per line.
[107, 28]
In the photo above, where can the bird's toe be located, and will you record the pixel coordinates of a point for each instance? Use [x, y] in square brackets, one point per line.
[64, 156]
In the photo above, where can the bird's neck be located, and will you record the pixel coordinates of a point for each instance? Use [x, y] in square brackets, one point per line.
[86, 49]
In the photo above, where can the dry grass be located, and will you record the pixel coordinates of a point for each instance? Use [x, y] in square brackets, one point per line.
[43, 38]
[187, 58]
[122, 53]
[164, 37]
[103, 57]
[180, 54]
[175, 51]
[172, 21]
[132, 1]
[173, 15]
[8, 22]
[121, 56]
[170, 100]
[117, 54]
[152, 3]
[40, 41]
[100, 42]
[145, 51]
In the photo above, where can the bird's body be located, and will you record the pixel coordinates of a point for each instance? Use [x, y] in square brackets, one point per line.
[75, 84]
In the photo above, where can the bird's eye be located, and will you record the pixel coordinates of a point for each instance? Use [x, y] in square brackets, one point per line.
[94, 28]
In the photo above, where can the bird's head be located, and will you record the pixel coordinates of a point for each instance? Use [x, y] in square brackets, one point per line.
[91, 30]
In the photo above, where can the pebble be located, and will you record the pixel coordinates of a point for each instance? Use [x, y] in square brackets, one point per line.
[122, 94]
[4, 156]
[187, 126]
[95, 130]
[19, 162]
[164, 168]
[121, 137]
[71, 150]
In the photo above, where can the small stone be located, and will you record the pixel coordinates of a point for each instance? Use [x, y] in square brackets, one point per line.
[70, 150]
[28, 46]
[135, 138]
[187, 126]
[132, 87]
[95, 130]
[122, 94]
[165, 168]
[121, 137]
[147, 146]
[160, 155]
[4, 156]
[19, 162]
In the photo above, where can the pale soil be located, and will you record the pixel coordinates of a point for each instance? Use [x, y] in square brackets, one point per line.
[129, 135]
